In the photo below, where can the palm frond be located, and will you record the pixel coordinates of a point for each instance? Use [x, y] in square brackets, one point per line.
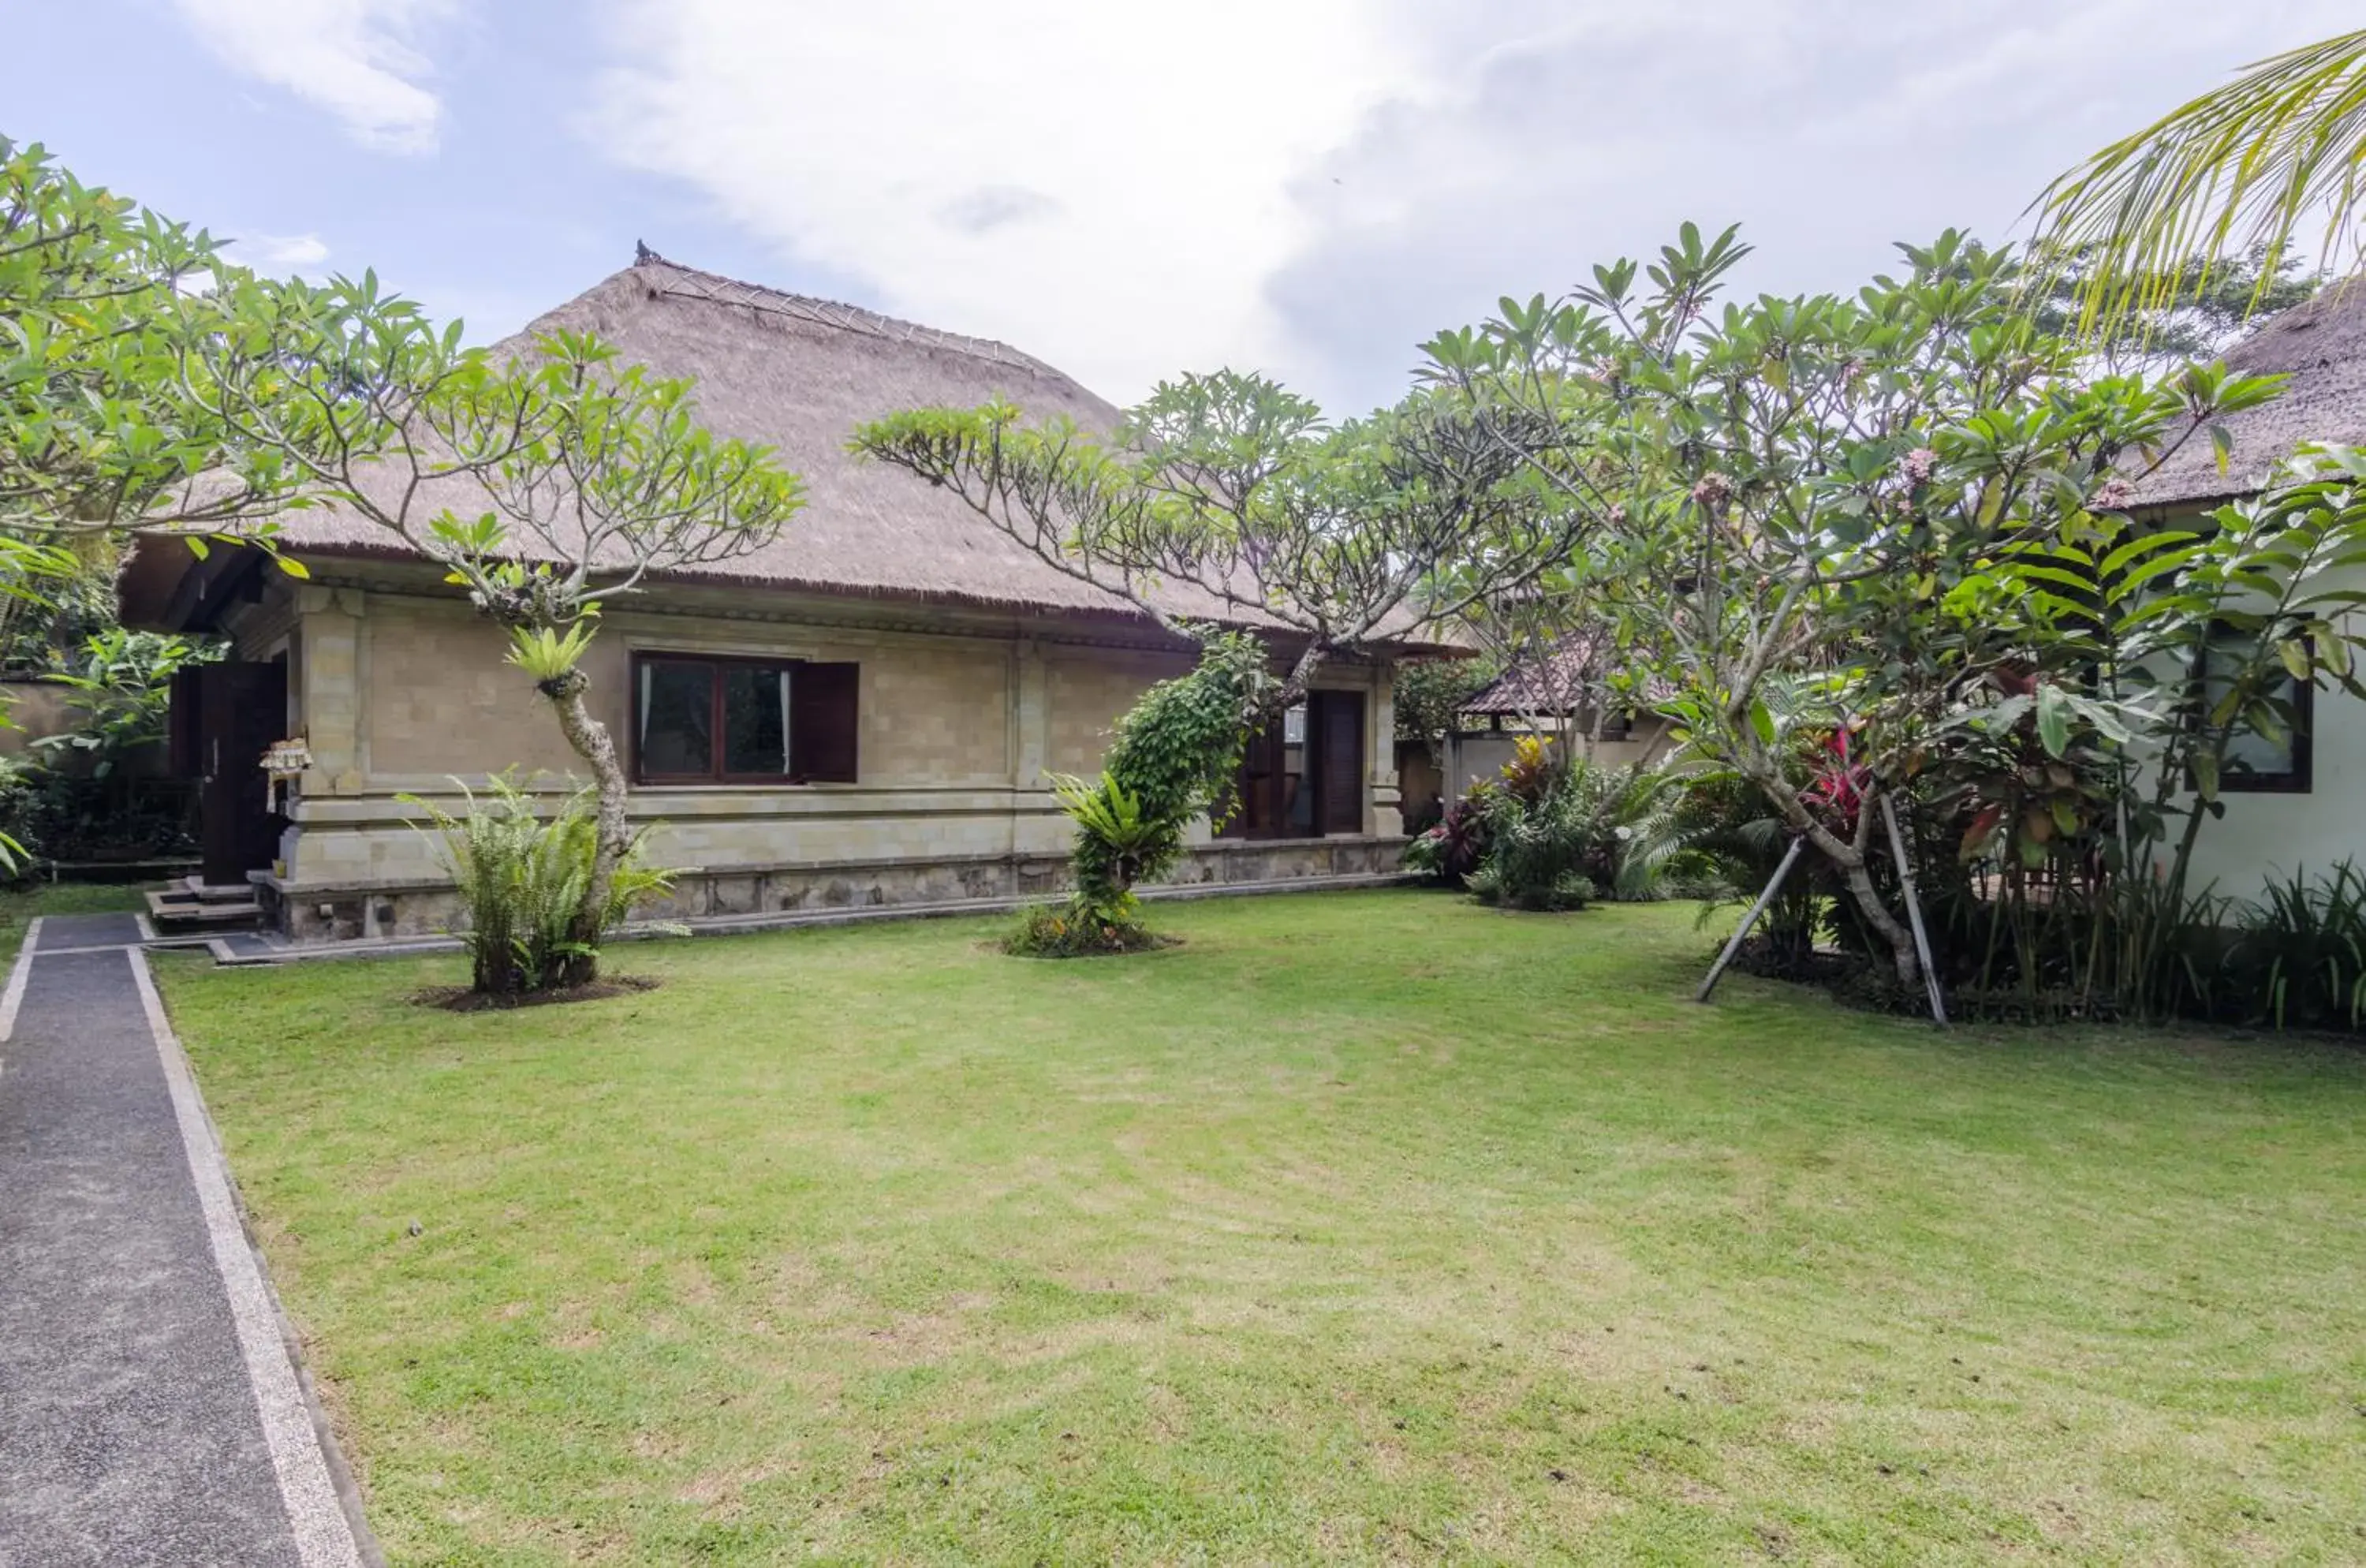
[2247, 165]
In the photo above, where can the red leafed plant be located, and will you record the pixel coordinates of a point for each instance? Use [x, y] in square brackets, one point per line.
[1838, 784]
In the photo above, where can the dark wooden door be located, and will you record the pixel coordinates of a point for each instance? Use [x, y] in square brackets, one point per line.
[1336, 719]
[1258, 810]
[241, 709]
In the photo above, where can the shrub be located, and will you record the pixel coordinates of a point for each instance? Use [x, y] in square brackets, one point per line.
[117, 816]
[1535, 851]
[1117, 843]
[1732, 841]
[1174, 756]
[1451, 850]
[1065, 931]
[123, 688]
[522, 880]
[2299, 959]
[1557, 835]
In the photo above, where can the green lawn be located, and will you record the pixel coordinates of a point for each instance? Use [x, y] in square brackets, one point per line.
[1369, 1227]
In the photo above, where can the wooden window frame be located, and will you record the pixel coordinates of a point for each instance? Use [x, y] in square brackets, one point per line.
[2300, 777]
[716, 777]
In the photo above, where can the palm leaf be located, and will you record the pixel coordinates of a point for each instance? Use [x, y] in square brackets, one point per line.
[2243, 166]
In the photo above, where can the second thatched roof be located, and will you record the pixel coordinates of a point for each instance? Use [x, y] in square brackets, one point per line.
[2321, 347]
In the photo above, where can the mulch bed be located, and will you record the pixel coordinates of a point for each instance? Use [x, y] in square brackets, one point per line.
[1153, 942]
[459, 998]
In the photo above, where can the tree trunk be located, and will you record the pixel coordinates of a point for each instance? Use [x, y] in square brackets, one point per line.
[1301, 676]
[612, 838]
[1846, 858]
[1876, 914]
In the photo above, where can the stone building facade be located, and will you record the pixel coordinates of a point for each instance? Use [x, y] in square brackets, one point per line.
[400, 690]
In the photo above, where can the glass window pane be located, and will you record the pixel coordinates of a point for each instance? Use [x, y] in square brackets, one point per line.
[1297, 783]
[677, 717]
[2247, 751]
[755, 719]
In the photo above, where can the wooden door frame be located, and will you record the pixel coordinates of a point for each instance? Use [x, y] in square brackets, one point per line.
[1240, 830]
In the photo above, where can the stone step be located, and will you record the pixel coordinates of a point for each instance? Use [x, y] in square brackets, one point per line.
[180, 910]
[206, 892]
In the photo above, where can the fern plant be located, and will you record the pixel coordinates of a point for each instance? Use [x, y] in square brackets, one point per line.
[1116, 840]
[522, 880]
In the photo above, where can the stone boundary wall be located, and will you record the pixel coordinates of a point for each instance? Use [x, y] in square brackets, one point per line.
[376, 909]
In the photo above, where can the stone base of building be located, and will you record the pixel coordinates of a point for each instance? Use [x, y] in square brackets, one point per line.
[355, 911]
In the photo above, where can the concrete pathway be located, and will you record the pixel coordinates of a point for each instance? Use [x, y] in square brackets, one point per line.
[151, 1408]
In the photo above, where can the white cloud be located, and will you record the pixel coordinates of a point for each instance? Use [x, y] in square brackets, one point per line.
[357, 59]
[1829, 128]
[272, 251]
[1311, 186]
[1105, 186]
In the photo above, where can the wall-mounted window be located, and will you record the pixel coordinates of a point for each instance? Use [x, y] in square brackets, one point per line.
[702, 720]
[2259, 763]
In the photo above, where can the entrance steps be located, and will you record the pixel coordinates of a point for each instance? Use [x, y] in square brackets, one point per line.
[190, 903]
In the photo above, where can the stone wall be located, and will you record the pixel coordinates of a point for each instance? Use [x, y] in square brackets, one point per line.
[318, 913]
[35, 709]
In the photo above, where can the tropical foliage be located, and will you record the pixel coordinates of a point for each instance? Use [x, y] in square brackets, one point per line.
[1234, 488]
[1173, 757]
[2248, 166]
[2299, 961]
[1429, 698]
[523, 879]
[2202, 308]
[1558, 832]
[1877, 547]
[122, 682]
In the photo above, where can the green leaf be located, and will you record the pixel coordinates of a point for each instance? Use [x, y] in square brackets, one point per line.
[2052, 719]
[2295, 653]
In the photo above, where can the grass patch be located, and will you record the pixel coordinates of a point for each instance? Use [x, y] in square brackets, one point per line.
[1363, 1226]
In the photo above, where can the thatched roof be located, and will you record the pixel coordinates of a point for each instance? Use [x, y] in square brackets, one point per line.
[1555, 681]
[2321, 345]
[797, 374]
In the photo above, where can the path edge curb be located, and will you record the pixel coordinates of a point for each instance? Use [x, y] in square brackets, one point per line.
[341, 1481]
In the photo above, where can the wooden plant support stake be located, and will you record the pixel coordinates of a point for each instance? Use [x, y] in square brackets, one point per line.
[1773, 886]
[1914, 915]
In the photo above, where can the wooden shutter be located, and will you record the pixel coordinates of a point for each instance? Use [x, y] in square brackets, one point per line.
[824, 722]
[1340, 774]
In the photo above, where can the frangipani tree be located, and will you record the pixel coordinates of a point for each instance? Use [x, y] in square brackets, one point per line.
[99, 437]
[1227, 497]
[1846, 496]
[97, 431]
[547, 486]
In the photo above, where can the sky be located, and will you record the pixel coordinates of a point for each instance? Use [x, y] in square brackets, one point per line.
[1305, 187]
